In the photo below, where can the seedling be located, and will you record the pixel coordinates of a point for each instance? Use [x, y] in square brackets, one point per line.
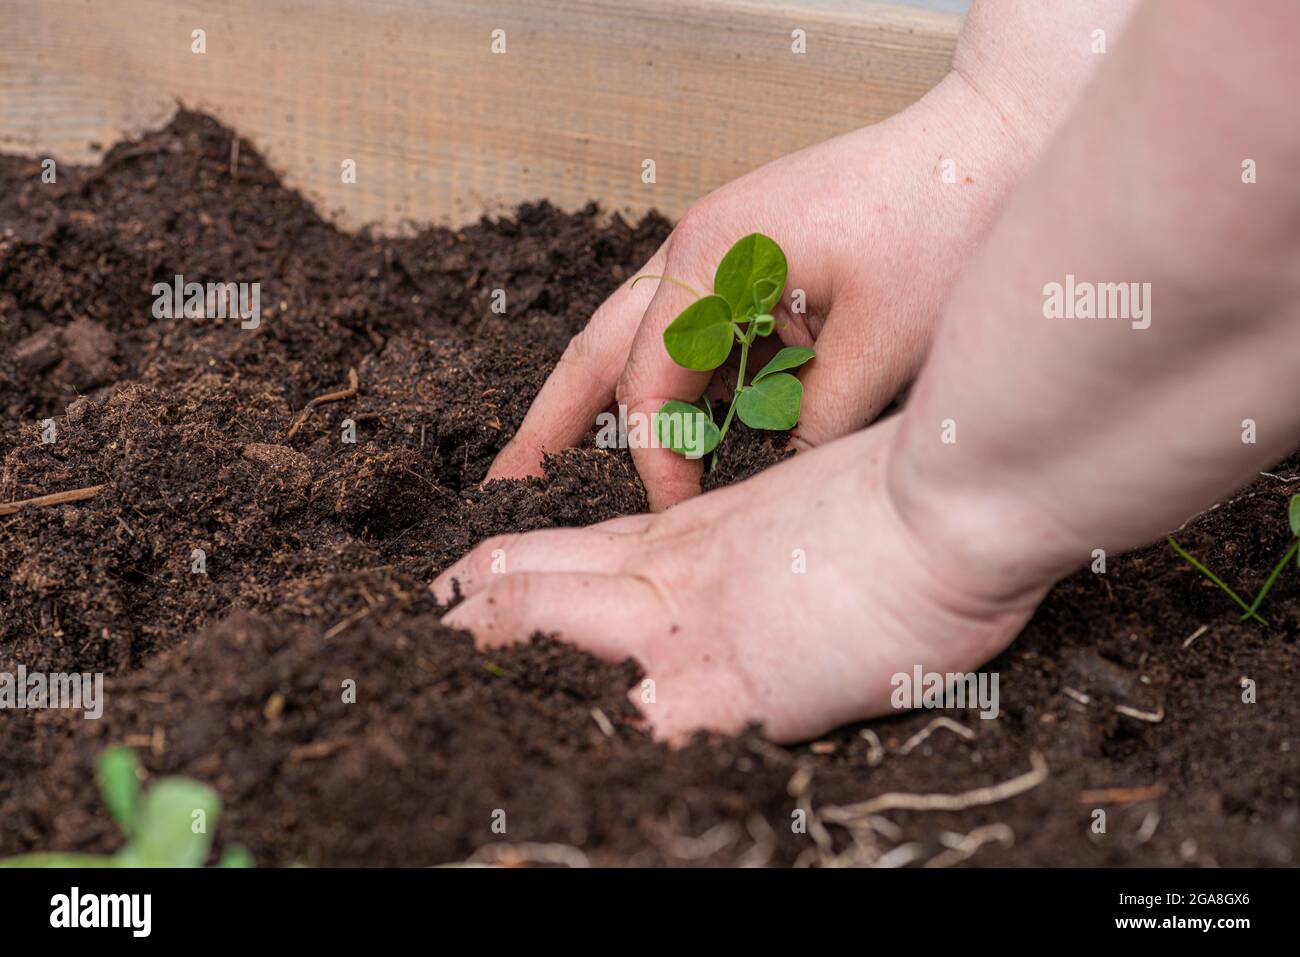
[494, 669]
[747, 285]
[1252, 610]
[170, 825]
[1293, 518]
[1250, 613]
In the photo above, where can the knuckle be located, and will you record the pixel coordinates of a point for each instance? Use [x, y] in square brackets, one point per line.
[581, 350]
[798, 328]
[624, 392]
[509, 598]
[697, 229]
[635, 386]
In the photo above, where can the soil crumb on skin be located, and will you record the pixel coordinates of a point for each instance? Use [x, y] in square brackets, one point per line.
[315, 553]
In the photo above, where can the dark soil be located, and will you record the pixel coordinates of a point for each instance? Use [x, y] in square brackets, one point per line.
[317, 554]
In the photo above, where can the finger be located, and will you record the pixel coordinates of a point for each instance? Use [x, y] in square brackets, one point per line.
[851, 381]
[652, 378]
[582, 384]
[611, 616]
[675, 706]
[548, 550]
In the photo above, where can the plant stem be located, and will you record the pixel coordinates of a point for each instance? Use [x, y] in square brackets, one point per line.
[57, 498]
[1259, 599]
[740, 385]
[1250, 612]
[675, 282]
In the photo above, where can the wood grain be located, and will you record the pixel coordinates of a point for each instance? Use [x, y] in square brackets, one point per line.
[441, 128]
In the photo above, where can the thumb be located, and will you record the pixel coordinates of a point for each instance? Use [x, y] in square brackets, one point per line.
[582, 383]
[651, 376]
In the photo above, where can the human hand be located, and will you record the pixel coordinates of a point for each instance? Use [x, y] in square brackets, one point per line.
[875, 225]
[873, 233]
[791, 599]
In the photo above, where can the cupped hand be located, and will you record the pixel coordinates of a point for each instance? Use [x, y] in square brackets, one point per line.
[874, 224]
[791, 599]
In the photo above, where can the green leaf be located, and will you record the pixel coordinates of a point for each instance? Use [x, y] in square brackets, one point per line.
[119, 783]
[59, 860]
[236, 855]
[165, 832]
[701, 337]
[1293, 514]
[763, 325]
[772, 403]
[1191, 560]
[686, 430]
[791, 357]
[751, 277]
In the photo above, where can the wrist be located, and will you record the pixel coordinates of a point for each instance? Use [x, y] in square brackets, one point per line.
[1030, 61]
[971, 564]
[999, 544]
[965, 158]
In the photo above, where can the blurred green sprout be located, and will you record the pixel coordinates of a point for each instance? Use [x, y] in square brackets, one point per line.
[169, 825]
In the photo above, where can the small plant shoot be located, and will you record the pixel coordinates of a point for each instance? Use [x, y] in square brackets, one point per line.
[747, 286]
[1251, 611]
[161, 826]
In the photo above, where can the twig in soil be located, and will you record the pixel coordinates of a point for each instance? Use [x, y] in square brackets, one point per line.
[57, 498]
[1281, 478]
[902, 801]
[799, 787]
[947, 723]
[234, 159]
[900, 856]
[875, 750]
[864, 852]
[1121, 795]
[347, 622]
[961, 846]
[1075, 695]
[882, 826]
[516, 855]
[316, 750]
[715, 840]
[1196, 634]
[602, 722]
[816, 829]
[1148, 827]
[764, 842]
[1150, 717]
[800, 781]
[339, 396]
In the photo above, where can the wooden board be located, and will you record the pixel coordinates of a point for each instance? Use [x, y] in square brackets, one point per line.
[443, 129]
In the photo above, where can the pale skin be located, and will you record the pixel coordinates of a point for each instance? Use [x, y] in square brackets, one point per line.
[1071, 435]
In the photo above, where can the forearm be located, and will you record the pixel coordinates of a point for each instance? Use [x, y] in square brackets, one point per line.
[1018, 67]
[1072, 434]
[955, 156]
[1030, 59]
